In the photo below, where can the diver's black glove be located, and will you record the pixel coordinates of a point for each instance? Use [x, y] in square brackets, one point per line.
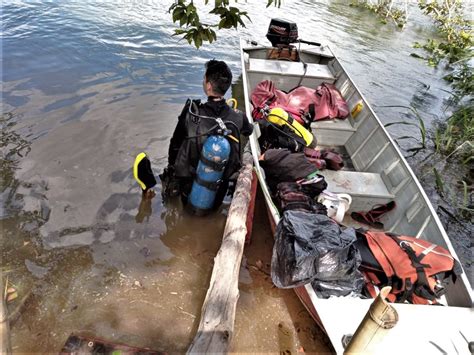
[169, 183]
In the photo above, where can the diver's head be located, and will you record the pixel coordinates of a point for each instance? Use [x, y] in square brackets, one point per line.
[217, 78]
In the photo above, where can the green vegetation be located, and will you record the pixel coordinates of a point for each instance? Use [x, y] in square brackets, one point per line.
[453, 139]
[455, 49]
[196, 32]
[448, 16]
[439, 181]
[385, 9]
[457, 135]
[420, 124]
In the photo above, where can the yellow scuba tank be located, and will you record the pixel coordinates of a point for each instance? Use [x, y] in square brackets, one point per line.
[280, 117]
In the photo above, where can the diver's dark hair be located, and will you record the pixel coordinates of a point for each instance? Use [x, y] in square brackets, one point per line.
[219, 75]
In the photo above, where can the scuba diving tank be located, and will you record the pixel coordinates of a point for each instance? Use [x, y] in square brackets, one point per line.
[280, 117]
[214, 156]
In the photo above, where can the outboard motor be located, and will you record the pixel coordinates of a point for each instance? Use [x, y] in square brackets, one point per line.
[214, 156]
[282, 32]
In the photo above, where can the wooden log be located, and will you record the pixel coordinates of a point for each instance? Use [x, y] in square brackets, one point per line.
[251, 209]
[218, 311]
[5, 346]
[380, 318]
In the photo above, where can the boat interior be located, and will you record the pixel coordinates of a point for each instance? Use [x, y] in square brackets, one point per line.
[375, 171]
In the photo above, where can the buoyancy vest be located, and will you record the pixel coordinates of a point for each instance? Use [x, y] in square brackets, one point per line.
[415, 268]
[197, 131]
[280, 117]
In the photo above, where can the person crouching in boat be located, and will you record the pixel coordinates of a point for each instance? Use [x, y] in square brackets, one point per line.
[197, 125]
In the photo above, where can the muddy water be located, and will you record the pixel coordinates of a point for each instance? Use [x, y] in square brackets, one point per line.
[85, 87]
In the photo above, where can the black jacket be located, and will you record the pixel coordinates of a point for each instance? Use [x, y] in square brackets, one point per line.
[281, 165]
[191, 133]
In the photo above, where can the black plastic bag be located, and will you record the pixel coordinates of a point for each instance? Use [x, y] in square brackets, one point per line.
[352, 286]
[311, 247]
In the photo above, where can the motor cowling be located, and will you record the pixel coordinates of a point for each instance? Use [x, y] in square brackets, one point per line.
[282, 32]
[214, 157]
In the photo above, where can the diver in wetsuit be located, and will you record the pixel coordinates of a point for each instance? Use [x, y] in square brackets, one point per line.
[194, 125]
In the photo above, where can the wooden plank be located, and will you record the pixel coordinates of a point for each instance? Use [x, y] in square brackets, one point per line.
[251, 209]
[216, 326]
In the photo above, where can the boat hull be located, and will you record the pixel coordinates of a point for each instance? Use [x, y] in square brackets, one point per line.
[379, 174]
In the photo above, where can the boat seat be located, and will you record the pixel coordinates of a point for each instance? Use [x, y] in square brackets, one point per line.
[366, 189]
[285, 68]
[332, 132]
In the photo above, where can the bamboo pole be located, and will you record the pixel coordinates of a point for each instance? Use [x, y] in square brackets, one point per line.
[218, 311]
[379, 319]
[5, 346]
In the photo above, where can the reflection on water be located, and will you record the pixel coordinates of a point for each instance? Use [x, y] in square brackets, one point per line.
[90, 85]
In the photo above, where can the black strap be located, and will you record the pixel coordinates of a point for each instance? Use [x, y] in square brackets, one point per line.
[407, 293]
[217, 166]
[297, 205]
[415, 260]
[214, 186]
[312, 111]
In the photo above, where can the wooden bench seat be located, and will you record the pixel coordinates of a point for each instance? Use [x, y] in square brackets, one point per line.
[366, 189]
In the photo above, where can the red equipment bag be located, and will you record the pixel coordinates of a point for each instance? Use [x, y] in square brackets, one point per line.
[415, 268]
[329, 103]
[305, 104]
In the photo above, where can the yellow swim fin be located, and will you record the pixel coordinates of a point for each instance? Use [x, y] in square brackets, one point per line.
[142, 172]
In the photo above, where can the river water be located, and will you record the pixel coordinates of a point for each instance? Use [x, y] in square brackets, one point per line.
[88, 85]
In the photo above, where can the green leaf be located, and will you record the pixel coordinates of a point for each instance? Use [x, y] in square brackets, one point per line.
[214, 35]
[225, 23]
[190, 9]
[183, 20]
[218, 11]
[239, 19]
[189, 37]
[177, 13]
[205, 35]
[179, 31]
[439, 181]
[416, 56]
[468, 159]
[198, 40]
